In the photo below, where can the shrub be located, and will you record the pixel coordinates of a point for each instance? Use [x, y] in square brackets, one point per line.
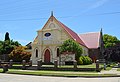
[19, 54]
[89, 60]
[80, 62]
[84, 60]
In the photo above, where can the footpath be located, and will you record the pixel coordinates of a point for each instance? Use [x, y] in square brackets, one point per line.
[112, 71]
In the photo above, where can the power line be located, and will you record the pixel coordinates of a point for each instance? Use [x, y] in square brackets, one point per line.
[59, 17]
[106, 13]
[23, 19]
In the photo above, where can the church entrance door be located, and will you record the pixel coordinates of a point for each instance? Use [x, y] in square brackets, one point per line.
[47, 56]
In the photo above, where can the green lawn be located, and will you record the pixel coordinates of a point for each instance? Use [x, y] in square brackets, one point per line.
[47, 65]
[118, 69]
[108, 68]
[71, 66]
[17, 64]
[68, 66]
[60, 73]
[1, 70]
[79, 66]
[111, 65]
[55, 73]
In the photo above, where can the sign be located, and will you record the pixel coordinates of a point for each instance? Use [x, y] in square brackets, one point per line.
[67, 57]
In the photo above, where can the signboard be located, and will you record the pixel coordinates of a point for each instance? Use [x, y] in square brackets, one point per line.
[67, 57]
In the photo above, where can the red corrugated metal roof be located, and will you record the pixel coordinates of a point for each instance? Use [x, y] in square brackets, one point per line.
[72, 34]
[91, 40]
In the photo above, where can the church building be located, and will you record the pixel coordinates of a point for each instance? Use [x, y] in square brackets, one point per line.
[45, 46]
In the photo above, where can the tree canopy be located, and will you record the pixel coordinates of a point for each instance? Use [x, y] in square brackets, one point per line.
[7, 36]
[110, 40]
[71, 46]
[113, 53]
[7, 46]
[112, 48]
[19, 53]
[1, 47]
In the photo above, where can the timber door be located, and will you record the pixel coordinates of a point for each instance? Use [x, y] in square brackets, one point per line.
[47, 56]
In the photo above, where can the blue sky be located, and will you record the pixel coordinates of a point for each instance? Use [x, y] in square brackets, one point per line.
[22, 18]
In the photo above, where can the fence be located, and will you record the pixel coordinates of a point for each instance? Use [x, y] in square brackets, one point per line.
[39, 66]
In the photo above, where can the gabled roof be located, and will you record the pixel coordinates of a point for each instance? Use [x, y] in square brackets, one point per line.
[91, 40]
[88, 40]
[72, 34]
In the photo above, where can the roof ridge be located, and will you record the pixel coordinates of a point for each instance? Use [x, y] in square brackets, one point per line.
[89, 33]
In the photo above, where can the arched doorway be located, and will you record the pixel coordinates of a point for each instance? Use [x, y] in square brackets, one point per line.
[47, 56]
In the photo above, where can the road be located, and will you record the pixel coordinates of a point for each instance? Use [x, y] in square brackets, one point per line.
[30, 78]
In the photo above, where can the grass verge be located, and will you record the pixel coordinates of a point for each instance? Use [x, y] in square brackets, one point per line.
[1, 70]
[58, 73]
[118, 69]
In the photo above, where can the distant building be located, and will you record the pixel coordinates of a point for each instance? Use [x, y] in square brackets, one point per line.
[54, 33]
[29, 45]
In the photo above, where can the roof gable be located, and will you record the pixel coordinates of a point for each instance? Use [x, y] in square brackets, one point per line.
[91, 40]
[71, 33]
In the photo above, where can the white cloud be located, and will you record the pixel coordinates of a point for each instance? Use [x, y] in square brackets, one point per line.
[95, 5]
[98, 4]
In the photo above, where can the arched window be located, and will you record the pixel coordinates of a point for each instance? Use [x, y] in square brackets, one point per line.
[58, 52]
[36, 52]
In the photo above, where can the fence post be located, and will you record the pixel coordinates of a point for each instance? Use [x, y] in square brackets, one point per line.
[55, 64]
[97, 65]
[30, 63]
[104, 66]
[0, 63]
[23, 65]
[5, 68]
[75, 64]
[39, 64]
[118, 64]
[11, 63]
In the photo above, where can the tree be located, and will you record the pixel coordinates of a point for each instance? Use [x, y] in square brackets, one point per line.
[7, 46]
[113, 53]
[71, 46]
[110, 40]
[1, 47]
[15, 43]
[18, 54]
[112, 48]
[7, 36]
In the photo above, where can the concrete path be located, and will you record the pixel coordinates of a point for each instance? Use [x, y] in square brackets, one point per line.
[112, 71]
[30, 78]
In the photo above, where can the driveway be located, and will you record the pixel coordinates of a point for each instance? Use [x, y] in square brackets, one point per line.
[30, 78]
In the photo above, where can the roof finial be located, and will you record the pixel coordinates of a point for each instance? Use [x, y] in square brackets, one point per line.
[51, 13]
